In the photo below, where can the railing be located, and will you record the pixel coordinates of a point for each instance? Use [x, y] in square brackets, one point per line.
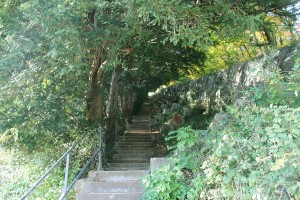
[67, 155]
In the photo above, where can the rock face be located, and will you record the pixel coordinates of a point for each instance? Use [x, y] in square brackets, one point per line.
[214, 91]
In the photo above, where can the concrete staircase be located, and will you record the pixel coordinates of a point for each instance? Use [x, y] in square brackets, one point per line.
[133, 153]
[117, 185]
[122, 178]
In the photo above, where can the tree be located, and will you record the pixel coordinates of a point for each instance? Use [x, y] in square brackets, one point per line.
[41, 61]
[63, 60]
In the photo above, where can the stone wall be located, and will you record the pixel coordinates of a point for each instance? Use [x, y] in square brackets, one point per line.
[214, 91]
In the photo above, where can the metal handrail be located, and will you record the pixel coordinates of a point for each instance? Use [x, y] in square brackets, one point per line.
[80, 174]
[66, 188]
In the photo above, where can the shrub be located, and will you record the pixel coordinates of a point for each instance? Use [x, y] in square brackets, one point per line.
[255, 155]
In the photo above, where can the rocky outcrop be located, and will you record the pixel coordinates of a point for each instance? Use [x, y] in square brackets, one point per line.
[214, 91]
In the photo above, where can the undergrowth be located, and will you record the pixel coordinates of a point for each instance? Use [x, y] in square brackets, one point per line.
[19, 170]
[253, 154]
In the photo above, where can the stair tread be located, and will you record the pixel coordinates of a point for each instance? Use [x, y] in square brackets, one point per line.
[131, 156]
[122, 186]
[116, 193]
[133, 151]
[121, 179]
[134, 145]
[126, 168]
[131, 160]
[129, 164]
[109, 196]
[116, 175]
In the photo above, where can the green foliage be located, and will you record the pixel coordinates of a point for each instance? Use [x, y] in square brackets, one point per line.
[278, 89]
[255, 155]
[42, 73]
[184, 137]
[198, 121]
[169, 182]
[20, 170]
[47, 49]
[191, 24]
[45, 57]
[165, 183]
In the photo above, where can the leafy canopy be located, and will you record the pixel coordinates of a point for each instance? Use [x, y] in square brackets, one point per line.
[47, 49]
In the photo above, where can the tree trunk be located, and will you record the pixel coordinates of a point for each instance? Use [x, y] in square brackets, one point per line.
[127, 101]
[269, 36]
[95, 100]
[249, 54]
[112, 108]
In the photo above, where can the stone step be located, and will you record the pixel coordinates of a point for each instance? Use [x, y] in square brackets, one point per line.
[133, 146]
[112, 187]
[108, 196]
[141, 117]
[127, 168]
[133, 151]
[136, 143]
[144, 121]
[144, 125]
[138, 128]
[138, 131]
[141, 137]
[133, 175]
[140, 120]
[128, 165]
[138, 134]
[131, 141]
[129, 156]
[130, 160]
[145, 149]
[135, 140]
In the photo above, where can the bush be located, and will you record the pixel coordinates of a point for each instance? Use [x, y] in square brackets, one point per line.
[19, 170]
[255, 155]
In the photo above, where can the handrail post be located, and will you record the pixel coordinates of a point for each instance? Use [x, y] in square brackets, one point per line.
[100, 152]
[64, 190]
[67, 155]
